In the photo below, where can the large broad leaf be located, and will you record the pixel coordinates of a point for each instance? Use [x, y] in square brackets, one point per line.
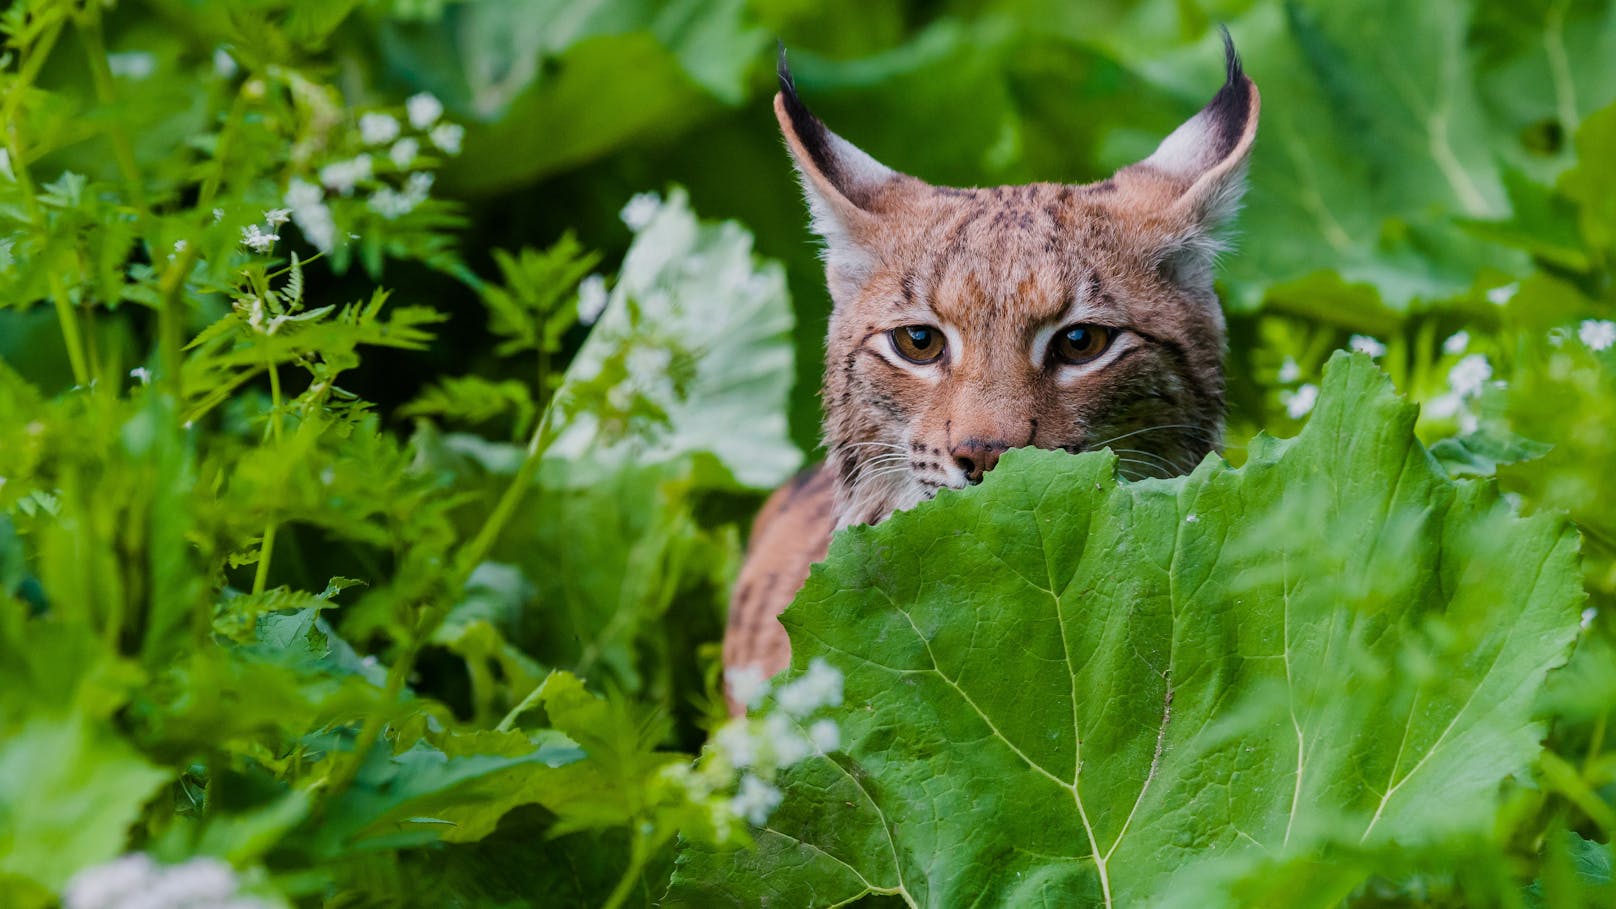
[550, 84]
[70, 788]
[1066, 690]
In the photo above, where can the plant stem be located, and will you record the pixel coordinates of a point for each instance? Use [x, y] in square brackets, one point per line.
[344, 775]
[1596, 744]
[631, 875]
[532, 698]
[267, 548]
[472, 554]
[106, 91]
[66, 316]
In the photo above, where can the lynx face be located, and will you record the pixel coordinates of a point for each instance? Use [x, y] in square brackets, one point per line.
[971, 321]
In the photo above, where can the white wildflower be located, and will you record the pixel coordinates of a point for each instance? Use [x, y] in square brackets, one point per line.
[418, 185]
[135, 880]
[257, 240]
[311, 215]
[1444, 405]
[275, 217]
[224, 65]
[1468, 422]
[404, 152]
[135, 65]
[1469, 375]
[826, 735]
[820, 686]
[591, 303]
[200, 882]
[1288, 371]
[105, 886]
[1588, 616]
[1367, 345]
[641, 211]
[1502, 294]
[1299, 403]
[447, 137]
[377, 128]
[646, 365]
[1598, 334]
[390, 203]
[141, 374]
[179, 246]
[785, 742]
[737, 744]
[342, 175]
[1558, 336]
[218, 215]
[755, 800]
[1456, 343]
[746, 684]
[423, 109]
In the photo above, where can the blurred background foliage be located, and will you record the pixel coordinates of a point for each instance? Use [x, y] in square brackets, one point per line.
[1432, 184]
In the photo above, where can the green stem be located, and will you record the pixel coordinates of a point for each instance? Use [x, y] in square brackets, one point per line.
[267, 549]
[1596, 744]
[66, 315]
[532, 698]
[106, 91]
[472, 554]
[371, 731]
[631, 875]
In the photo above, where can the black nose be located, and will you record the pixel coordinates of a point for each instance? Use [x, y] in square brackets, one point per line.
[977, 456]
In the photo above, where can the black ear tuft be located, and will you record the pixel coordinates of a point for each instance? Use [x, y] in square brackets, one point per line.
[783, 70]
[810, 130]
[1231, 106]
[1231, 60]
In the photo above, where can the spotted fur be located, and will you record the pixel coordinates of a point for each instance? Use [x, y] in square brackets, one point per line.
[999, 271]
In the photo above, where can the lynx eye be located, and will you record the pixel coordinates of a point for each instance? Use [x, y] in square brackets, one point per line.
[1078, 344]
[917, 343]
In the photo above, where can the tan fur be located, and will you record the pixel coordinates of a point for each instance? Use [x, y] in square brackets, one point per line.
[999, 271]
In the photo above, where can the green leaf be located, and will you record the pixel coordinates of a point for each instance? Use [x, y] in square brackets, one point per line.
[69, 790]
[420, 794]
[1066, 690]
[548, 85]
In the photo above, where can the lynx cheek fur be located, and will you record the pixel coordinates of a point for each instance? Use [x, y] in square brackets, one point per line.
[970, 321]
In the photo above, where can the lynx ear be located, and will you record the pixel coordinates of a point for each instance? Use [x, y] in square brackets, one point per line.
[847, 190]
[1196, 177]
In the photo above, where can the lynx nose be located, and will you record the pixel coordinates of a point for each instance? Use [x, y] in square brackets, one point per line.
[977, 456]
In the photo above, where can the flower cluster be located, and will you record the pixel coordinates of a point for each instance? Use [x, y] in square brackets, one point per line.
[1366, 345]
[135, 880]
[258, 239]
[380, 150]
[758, 746]
[1597, 334]
[641, 210]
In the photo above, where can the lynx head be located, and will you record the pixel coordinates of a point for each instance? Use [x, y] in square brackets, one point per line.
[971, 321]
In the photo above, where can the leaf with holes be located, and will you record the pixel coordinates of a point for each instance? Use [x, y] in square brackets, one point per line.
[1066, 690]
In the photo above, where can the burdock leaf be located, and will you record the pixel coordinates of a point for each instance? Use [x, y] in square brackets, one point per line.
[1066, 690]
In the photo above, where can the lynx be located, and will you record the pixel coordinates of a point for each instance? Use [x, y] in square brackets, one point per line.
[966, 322]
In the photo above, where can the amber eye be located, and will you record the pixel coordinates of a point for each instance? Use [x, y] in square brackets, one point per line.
[1078, 344]
[917, 343]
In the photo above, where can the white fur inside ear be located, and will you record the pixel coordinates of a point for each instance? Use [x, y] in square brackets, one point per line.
[1190, 150]
[848, 264]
